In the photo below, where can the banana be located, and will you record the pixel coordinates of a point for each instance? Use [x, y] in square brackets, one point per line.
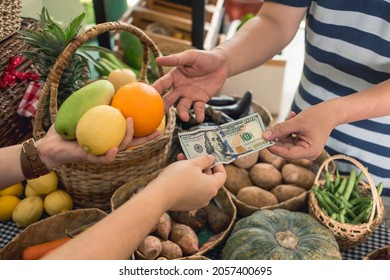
[96, 93]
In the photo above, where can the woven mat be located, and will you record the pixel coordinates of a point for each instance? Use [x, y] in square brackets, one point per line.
[380, 238]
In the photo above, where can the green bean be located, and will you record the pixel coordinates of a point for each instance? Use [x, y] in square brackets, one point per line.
[359, 200]
[351, 185]
[327, 179]
[359, 178]
[322, 203]
[380, 188]
[359, 219]
[346, 202]
[334, 207]
[335, 199]
[337, 179]
[342, 215]
[341, 188]
[351, 213]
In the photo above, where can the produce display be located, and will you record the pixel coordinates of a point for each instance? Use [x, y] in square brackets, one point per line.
[27, 202]
[181, 234]
[343, 199]
[266, 180]
[259, 185]
[280, 234]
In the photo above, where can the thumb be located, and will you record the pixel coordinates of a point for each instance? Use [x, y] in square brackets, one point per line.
[204, 162]
[279, 130]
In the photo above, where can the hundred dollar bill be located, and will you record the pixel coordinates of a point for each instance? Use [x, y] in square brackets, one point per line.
[227, 142]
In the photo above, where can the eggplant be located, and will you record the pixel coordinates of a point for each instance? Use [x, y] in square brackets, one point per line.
[222, 100]
[239, 109]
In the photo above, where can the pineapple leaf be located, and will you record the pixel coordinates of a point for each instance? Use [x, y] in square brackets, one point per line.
[74, 27]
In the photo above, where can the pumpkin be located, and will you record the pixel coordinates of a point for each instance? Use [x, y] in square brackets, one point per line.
[280, 234]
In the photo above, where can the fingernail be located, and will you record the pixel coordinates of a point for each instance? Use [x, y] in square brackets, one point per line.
[267, 134]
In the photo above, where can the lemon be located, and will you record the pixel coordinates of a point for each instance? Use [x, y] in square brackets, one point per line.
[7, 206]
[161, 127]
[100, 128]
[28, 211]
[16, 190]
[121, 77]
[57, 202]
[44, 184]
[28, 191]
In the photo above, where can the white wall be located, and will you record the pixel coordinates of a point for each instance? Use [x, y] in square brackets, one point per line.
[60, 10]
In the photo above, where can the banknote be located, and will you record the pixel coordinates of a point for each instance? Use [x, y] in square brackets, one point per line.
[227, 142]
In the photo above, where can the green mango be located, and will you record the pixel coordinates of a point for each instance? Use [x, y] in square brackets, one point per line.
[133, 51]
[96, 93]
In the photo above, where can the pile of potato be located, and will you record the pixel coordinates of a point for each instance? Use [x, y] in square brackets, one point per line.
[176, 234]
[263, 179]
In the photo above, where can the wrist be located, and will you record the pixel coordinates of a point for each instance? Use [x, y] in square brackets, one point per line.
[31, 161]
[223, 59]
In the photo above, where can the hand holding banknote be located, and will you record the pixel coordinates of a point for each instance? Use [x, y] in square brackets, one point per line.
[226, 142]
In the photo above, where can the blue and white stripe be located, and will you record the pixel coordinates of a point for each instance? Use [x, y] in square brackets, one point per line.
[347, 51]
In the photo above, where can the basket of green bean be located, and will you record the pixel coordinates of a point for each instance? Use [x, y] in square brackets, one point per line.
[349, 205]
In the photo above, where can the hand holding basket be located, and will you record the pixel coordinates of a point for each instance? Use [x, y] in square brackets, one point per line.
[91, 185]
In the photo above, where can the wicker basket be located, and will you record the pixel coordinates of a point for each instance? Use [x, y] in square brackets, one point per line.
[298, 203]
[14, 129]
[222, 199]
[48, 229]
[10, 19]
[92, 185]
[378, 253]
[348, 235]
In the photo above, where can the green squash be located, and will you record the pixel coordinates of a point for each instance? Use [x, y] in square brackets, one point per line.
[280, 234]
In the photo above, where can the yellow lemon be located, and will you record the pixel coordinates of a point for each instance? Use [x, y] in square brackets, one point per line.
[44, 184]
[28, 211]
[100, 129]
[121, 77]
[162, 125]
[16, 190]
[28, 191]
[7, 205]
[57, 202]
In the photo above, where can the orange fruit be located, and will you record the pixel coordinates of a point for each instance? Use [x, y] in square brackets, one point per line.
[143, 103]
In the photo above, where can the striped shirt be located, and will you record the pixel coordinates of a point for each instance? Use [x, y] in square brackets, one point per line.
[347, 49]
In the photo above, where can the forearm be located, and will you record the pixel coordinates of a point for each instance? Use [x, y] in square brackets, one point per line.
[261, 38]
[370, 103]
[117, 235]
[11, 170]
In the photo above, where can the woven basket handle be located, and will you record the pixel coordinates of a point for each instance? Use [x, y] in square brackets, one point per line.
[52, 82]
[370, 181]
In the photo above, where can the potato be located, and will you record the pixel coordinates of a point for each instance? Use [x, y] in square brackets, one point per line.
[257, 197]
[196, 219]
[307, 163]
[265, 175]
[185, 237]
[170, 250]
[163, 226]
[247, 161]
[150, 247]
[236, 178]
[267, 157]
[284, 192]
[298, 176]
[217, 218]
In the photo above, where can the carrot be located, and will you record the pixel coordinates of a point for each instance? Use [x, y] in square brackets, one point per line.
[37, 251]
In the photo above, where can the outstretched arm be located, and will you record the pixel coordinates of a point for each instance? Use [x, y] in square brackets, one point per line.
[199, 75]
[305, 135]
[183, 185]
[55, 151]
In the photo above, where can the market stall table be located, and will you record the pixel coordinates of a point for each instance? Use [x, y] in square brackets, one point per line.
[379, 238]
